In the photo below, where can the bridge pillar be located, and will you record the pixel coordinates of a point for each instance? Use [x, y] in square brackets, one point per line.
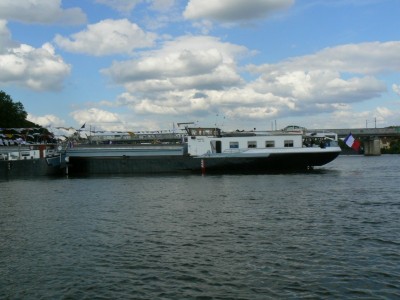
[372, 147]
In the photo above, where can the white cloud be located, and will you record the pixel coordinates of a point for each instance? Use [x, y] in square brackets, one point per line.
[319, 86]
[185, 63]
[350, 118]
[38, 69]
[40, 11]
[364, 58]
[99, 119]
[252, 113]
[46, 120]
[384, 112]
[205, 26]
[95, 116]
[174, 103]
[334, 75]
[5, 37]
[107, 37]
[396, 89]
[233, 10]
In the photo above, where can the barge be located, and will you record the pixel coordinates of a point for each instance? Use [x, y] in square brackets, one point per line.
[209, 150]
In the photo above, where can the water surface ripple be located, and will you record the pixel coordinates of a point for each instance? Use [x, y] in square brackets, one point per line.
[331, 233]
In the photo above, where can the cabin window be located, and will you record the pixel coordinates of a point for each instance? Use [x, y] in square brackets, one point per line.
[233, 145]
[251, 144]
[269, 144]
[288, 143]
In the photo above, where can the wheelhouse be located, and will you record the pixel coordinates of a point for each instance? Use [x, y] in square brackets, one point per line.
[203, 141]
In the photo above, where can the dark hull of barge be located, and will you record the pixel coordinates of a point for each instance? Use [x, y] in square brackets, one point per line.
[30, 168]
[131, 165]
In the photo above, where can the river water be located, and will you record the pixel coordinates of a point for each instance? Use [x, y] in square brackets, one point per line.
[330, 233]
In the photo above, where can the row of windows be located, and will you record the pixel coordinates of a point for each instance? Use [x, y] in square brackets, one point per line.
[268, 144]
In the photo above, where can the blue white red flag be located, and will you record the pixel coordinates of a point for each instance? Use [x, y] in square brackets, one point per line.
[352, 142]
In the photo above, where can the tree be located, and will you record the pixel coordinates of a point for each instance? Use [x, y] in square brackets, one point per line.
[13, 115]
[394, 148]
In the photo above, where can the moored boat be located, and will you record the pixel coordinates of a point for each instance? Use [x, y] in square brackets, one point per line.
[209, 150]
[30, 161]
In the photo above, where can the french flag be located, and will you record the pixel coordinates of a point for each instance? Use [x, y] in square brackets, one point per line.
[352, 142]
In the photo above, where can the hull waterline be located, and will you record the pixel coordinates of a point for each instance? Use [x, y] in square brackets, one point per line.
[186, 164]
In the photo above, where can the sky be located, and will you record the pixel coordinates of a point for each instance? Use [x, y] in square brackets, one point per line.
[131, 65]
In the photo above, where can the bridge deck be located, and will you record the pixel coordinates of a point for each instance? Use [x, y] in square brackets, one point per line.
[365, 132]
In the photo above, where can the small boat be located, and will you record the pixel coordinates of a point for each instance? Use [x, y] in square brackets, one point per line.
[30, 161]
[209, 150]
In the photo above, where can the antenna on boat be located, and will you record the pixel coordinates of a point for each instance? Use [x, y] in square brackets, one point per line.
[185, 123]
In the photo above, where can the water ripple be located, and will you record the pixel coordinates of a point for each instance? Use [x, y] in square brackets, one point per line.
[329, 234]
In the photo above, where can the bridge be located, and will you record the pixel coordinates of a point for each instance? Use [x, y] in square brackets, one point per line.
[365, 132]
[371, 138]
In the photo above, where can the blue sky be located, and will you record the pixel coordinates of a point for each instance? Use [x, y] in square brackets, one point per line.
[145, 64]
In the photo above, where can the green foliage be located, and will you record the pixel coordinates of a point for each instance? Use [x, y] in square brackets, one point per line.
[394, 148]
[13, 114]
[342, 144]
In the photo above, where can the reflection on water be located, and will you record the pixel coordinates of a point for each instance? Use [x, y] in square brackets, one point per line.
[330, 233]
